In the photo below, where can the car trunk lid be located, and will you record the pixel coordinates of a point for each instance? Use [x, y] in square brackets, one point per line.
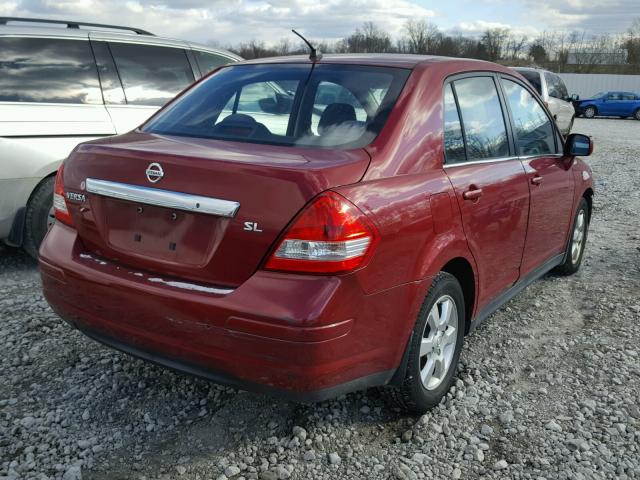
[211, 216]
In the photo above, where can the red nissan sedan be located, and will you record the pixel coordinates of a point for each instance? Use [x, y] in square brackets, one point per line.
[313, 227]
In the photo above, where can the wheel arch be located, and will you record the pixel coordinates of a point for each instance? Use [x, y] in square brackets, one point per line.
[463, 271]
[588, 196]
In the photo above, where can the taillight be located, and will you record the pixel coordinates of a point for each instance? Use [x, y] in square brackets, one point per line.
[331, 235]
[59, 201]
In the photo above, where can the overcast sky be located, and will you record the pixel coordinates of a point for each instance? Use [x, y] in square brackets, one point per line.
[227, 22]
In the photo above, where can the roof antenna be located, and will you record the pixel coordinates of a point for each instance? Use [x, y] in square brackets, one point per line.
[314, 54]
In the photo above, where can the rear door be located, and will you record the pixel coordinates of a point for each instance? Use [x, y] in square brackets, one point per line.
[140, 79]
[609, 104]
[548, 173]
[489, 181]
[627, 103]
[50, 97]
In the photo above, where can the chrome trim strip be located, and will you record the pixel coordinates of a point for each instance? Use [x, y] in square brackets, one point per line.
[163, 198]
[503, 159]
[550, 155]
[475, 162]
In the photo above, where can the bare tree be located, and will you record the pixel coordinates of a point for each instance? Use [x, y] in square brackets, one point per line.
[516, 46]
[493, 41]
[422, 36]
[369, 39]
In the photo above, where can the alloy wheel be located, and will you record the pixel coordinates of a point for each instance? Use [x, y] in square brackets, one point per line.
[590, 112]
[438, 343]
[578, 236]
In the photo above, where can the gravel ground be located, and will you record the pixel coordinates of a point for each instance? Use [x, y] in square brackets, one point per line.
[549, 386]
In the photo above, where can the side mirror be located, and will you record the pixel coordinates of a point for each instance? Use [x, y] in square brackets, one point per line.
[578, 145]
[575, 97]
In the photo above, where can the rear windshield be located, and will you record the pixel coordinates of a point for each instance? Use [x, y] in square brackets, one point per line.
[533, 78]
[327, 106]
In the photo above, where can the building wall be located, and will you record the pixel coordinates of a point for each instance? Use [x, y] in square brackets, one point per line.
[586, 84]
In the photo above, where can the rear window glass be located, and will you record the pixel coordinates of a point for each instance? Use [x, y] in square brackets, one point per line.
[48, 70]
[328, 106]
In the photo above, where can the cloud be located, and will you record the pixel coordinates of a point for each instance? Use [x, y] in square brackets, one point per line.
[597, 17]
[477, 27]
[226, 22]
[232, 21]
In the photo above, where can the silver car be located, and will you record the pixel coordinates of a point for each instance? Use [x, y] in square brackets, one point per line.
[554, 94]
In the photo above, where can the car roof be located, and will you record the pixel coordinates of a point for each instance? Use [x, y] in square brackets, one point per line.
[397, 60]
[106, 34]
[530, 69]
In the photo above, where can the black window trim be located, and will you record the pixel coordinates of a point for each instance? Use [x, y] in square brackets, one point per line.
[510, 139]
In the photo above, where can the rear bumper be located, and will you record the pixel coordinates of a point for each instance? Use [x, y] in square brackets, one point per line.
[304, 337]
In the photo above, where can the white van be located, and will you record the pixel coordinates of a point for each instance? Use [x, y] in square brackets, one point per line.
[554, 93]
[62, 83]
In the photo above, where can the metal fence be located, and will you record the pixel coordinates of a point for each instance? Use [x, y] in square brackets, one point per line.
[586, 84]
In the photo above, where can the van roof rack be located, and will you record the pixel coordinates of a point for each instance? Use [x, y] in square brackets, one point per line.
[72, 24]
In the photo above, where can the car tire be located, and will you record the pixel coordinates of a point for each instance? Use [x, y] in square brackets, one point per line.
[434, 347]
[577, 240]
[590, 112]
[636, 114]
[39, 216]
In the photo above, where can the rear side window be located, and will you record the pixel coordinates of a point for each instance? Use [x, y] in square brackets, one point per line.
[555, 86]
[485, 133]
[533, 78]
[534, 131]
[209, 61]
[453, 140]
[48, 70]
[151, 75]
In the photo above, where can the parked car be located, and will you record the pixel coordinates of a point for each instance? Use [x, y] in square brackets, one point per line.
[553, 92]
[610, 104]
[61, 86]
[355, 249]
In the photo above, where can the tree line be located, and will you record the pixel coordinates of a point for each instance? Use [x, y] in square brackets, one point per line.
[576, 51]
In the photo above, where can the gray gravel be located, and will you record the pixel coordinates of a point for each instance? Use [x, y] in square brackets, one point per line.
[549, 386]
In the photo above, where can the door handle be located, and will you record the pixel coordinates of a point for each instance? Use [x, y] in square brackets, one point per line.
[537, 180]
[472, 194]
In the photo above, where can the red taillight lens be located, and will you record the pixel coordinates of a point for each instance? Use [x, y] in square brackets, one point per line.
[59, 201]
[331, 235]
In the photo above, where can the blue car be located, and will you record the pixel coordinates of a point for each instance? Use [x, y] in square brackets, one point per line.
[610, 104]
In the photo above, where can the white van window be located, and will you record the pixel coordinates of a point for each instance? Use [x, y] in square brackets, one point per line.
[48, 70]
[151, 75]
[209, 61]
